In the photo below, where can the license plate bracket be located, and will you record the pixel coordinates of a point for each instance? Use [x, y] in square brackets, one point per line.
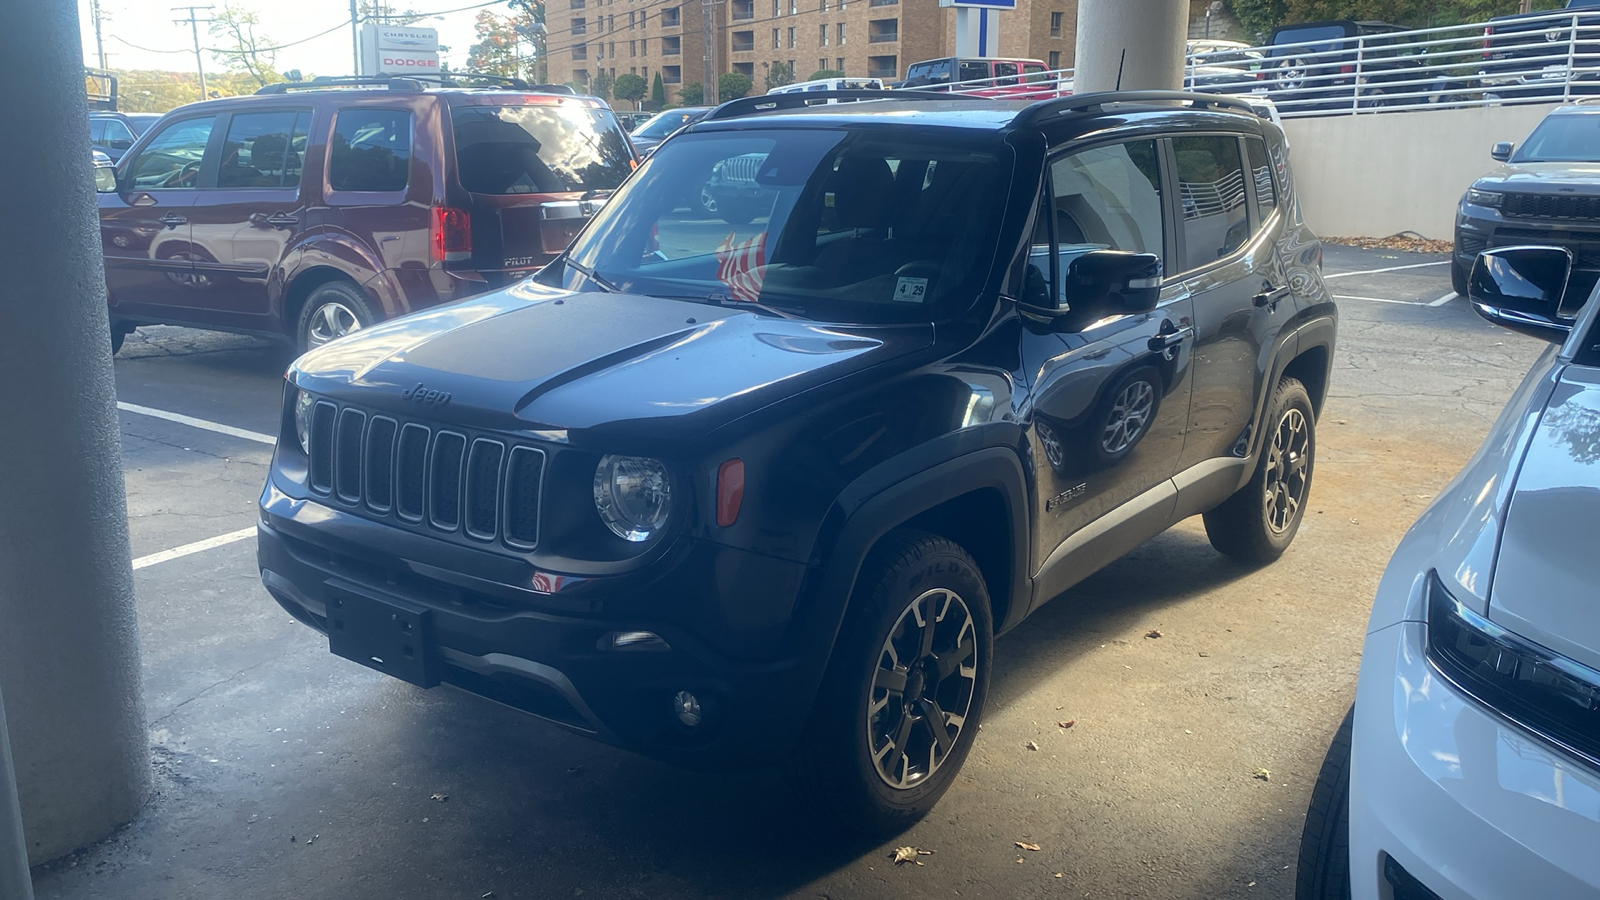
[390, 636]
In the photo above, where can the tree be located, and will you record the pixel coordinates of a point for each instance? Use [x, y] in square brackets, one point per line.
[820, 74]
[241, 48]
[732, 86]
[600, 85]
[691, 94]
[658, 92]
[628, 88]
[498, 50]
[1261, 16]
[779, 74]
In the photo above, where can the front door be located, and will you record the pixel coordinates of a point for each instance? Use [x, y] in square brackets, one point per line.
[1108, 393]
[144, 226]
[244, 218]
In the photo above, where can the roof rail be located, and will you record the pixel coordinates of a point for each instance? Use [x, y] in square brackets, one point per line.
[452, 79]
[745, 106]
[1036, 113]
[328, 81]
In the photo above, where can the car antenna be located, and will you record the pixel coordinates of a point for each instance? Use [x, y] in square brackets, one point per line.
[1120, 63]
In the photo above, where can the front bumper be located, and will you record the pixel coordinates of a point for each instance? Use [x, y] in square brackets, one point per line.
[1464, 802]
[555, 663]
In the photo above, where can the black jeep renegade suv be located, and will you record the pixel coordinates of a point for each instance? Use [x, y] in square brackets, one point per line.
[745, 494]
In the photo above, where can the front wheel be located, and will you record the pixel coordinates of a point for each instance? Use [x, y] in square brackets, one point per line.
[1259, 521]
[332, 311]
[899, 706]
[1458, 277]
[1325, 842]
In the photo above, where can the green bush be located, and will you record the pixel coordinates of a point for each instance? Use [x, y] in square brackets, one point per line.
[732, 86]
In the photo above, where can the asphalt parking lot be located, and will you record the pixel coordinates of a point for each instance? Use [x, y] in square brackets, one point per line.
[283, 771]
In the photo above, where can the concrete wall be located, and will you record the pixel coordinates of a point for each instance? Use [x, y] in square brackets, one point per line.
[1377, 175]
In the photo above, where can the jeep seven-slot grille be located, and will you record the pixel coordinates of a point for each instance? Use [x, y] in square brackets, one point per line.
[1550, 206]
[443, 480]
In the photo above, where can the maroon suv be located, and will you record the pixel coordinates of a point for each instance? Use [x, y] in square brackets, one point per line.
[309, 210]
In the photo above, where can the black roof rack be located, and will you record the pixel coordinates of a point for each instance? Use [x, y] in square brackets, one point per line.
[745, 106]
[453, 79]
[1036, 113]
[326, 81]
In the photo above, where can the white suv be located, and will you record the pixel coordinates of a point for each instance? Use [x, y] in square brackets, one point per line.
[1470, 764]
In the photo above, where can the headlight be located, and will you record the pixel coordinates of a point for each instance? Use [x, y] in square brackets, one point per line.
[304, 403]
[1490, 199]
[633, 496]
[1534, 686]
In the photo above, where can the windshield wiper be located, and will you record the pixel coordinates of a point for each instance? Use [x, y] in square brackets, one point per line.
[588, 273]
[720, 300]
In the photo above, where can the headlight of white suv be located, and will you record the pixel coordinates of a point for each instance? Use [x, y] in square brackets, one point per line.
[633, 496]
[304, 403]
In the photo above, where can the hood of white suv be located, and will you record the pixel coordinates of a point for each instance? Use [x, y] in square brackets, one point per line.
[1546, 578]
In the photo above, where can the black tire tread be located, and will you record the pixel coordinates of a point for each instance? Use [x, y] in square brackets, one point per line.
[1458, 277]
[1236, 526]
[1324, 869]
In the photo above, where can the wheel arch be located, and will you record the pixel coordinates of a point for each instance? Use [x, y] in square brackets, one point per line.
[1311, 365]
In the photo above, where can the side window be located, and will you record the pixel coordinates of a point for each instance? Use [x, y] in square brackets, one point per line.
[1212, 193]
[1261, 174]
[371, 150]
[1103, 198]
[117, 136]
[1005, 73]
[1033, 73]
[97, 131]
[172, 158]
[973, 71]
[264, 150]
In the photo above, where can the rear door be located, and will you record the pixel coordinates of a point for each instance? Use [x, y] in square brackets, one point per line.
[245, 216]
[529, 171]
[144, 226]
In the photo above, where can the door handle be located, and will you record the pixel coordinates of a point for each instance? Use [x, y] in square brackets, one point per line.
[173, 220]
[282, 220]
[1166, 340]
[1270, 295]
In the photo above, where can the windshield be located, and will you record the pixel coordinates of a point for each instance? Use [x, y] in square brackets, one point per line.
[539, 149]
[1563, 139]
[667, 123]
[838, 225]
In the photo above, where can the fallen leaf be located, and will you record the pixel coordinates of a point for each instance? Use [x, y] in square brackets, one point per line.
[1023, 845]
[1203, 653]
[312, 839]
[440, 797]
[1058, 874]
[903, 855]
[1152, 633]
[1067, 724]
[1031, 745]
[1019, 859]
[1264, 774]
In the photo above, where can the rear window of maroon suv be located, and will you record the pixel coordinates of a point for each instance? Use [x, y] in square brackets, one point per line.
[539, 149]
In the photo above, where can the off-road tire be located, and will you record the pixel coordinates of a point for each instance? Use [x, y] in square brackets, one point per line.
[1246, 526]
[1324, 872]
[832, 765]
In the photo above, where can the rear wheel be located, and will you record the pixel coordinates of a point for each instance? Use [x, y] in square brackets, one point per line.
[332, 311]
[899, 707]
[1259, 521]
[1325, 843]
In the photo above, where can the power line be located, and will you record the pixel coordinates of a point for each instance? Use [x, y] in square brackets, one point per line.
[194, 29]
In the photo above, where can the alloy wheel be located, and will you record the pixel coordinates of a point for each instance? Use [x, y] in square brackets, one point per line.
[1288, 470]
[331, 320]
[1129, 416]
[922, 688]
[708, 202]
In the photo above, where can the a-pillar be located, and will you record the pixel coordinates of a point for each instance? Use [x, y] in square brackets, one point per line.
[69, 653]
[1137, 44]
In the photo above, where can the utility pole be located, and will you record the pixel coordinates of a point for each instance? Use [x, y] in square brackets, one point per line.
[708, 81]
[99, 44]
[194, 29]
[355, 39]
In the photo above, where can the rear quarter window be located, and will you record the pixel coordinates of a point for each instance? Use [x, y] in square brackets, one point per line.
[370, 150]
[539, 149]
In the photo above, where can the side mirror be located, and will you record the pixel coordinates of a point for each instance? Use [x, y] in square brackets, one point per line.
[1114, 281]
[105, 179]
[1521, 288]
[1502, 151]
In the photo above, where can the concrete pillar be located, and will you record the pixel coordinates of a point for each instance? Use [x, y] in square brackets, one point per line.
[1142, 40]
[69, 652]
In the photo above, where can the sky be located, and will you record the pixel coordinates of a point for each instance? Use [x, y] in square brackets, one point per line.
[136, 32]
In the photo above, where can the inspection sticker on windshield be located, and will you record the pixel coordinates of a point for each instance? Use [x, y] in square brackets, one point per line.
[911, 290]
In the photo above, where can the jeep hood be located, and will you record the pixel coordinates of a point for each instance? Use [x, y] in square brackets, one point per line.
[531, 358]
[1549, 562]
[1543, 178]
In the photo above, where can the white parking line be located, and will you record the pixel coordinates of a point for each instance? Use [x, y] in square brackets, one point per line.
[196, 547]
[1382, 300]
[191, 421]
[1445, 299]
[1390, 269]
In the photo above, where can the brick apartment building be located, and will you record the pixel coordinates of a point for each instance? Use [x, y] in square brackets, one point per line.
[878, 38]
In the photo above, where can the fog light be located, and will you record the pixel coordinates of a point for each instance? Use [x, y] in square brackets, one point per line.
[687, 706]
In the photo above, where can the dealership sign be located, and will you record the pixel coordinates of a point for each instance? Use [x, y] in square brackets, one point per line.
[398, 50]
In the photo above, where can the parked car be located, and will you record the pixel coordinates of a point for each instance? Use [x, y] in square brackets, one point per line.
[1024, 79]
[1312, 66]
[831, 84]
[647, 137]
[1545, 192]
[734, 192]
[735, 497]
[312, 209]
[1223, 67]
[112, 133]
[632, 120]
[1469, 766]
[1528, 56]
